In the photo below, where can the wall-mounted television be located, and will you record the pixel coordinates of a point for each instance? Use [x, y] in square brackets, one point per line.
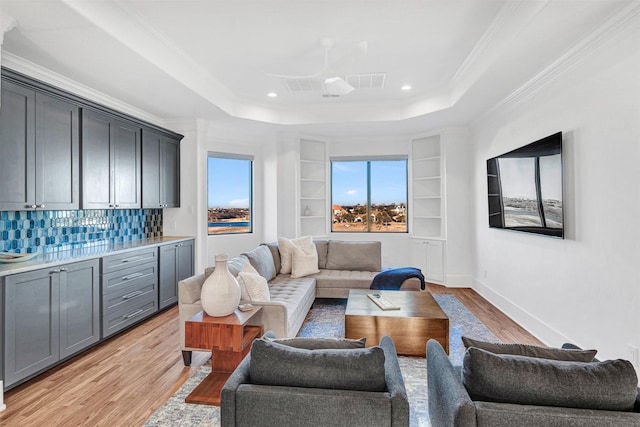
[525, 188]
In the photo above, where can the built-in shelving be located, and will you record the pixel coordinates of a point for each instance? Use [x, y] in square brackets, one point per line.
[312, 184]
[427, 205]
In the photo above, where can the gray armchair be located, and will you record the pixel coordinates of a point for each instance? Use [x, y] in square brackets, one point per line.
[244, 403]
[450, 404]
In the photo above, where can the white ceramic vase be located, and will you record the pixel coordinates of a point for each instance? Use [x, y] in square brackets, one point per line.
[220, 294]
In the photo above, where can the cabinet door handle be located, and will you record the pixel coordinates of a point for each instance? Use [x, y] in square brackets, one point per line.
[55, 270]
[132, 276]
[135, 258]
[30, 206]
[110, 205]
[63, 269]
[134, 314]
[40, 206]
[132, 295]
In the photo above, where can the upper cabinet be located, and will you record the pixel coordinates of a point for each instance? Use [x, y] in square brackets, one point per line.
[160, 170]
[59, 151]
[39, 150]
[312, 184]
[111, 162]
[427, 184]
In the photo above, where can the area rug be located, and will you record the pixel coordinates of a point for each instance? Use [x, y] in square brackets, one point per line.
[326, 319]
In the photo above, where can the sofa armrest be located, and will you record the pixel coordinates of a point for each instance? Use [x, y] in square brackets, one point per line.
[449, 402]
[228, 392]
[189, 289]
[395, 384]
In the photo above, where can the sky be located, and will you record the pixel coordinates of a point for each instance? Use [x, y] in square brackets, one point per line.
[229, 183]
[388, 182]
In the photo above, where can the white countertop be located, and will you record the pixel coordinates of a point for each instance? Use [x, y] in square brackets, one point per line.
[84, 251]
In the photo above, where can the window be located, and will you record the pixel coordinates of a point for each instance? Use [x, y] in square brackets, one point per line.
[369, 196]
[229, 194]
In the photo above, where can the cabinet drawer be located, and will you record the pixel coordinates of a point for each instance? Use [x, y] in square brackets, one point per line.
[129, 278]
[116, 300]
[130, 313]
[129, 259]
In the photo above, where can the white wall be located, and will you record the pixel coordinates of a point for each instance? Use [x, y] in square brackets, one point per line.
[457, 172]
[585, 288]
[202, 137]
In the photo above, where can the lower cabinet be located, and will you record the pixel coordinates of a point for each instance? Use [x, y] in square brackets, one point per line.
[428, 256]
[129, 289]
[49, 315]
[176, 263]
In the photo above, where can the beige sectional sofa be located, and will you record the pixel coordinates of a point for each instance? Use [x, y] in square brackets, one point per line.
[342, 266]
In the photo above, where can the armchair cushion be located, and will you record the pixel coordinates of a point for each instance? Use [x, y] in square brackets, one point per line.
[505, 378]
[576, 355]
[322, 343]
[281, 365]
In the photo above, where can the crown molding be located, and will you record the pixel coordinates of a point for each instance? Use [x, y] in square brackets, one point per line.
[625, 20]
[21, 65]
[510, 20]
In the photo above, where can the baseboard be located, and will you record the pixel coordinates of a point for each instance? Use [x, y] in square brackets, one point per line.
[534, 325]
[459, 281]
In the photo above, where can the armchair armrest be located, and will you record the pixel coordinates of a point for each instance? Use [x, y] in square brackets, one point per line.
[228, 393]
[449, 402]
[395, 383]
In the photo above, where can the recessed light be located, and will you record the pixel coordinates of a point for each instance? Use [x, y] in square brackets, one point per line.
[405, 87]
[272, 95]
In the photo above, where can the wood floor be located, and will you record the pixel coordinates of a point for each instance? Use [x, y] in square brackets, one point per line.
[122, 381]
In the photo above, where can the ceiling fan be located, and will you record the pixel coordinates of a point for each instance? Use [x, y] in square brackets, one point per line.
[335, 85]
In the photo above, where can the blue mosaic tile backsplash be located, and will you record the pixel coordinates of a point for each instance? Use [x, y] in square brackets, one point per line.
[46, 231]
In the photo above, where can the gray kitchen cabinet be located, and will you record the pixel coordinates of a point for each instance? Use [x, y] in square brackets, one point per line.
[129, 289]
[49, 314]
[176, 263]
[39, 150]
[160, 170]
[111, 162]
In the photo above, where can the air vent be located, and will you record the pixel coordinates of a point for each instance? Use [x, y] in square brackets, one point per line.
[366, 81]
[304, 85]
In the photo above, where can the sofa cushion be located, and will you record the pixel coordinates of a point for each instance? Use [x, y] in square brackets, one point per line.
[365, 256]
[248, 268]
[507, 378]
[281, 365]
[322, 247]
[304, 261]
[532, 350]
[321, 343]
[343, 279]
[256, 286]
[262, 261]
[275, 253]
[286, 247]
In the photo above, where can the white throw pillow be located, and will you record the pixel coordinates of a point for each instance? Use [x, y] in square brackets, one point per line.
[256, 285]
[304, 262]
[285, 246]
[248, 268]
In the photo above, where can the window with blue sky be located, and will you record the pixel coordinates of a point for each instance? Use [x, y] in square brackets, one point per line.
[369, 195]
[229, 194]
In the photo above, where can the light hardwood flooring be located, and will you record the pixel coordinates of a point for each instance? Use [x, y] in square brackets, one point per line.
[122, 381]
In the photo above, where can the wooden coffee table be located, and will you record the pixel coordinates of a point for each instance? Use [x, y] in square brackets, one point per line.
[229, 338]
[419, 319]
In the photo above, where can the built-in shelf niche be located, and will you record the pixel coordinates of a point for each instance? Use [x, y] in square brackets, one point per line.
[312, 184]
[427, 204]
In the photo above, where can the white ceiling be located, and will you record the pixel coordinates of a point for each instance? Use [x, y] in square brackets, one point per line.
[215, 59]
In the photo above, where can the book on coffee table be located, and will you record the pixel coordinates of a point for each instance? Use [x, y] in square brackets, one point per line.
[382, 302]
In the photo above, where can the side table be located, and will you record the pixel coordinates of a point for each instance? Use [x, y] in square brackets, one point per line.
[229, 338]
